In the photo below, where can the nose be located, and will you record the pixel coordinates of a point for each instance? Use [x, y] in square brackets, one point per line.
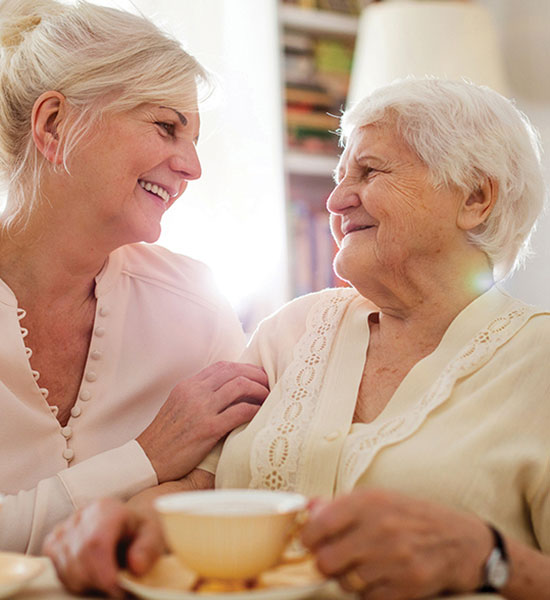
[342, 198]
[186, 161]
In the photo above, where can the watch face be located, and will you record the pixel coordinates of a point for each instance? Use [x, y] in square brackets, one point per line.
[497, 569]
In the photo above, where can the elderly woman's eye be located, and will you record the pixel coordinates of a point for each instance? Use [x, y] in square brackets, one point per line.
[368, 171]
[169, 128]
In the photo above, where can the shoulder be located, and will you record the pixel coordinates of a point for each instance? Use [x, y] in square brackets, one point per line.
[157, 268]
[534, 320]
[536, 331]
[298, 310]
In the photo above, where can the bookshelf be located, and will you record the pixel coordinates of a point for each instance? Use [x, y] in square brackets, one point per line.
[317, 42]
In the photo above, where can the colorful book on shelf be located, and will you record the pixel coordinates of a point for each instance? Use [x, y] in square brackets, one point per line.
[311, 119]
[351, 7]
[313, 250]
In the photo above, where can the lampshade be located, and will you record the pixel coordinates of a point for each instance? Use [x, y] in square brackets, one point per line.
[446, 38]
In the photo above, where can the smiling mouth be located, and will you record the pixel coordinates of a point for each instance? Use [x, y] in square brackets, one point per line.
[359, 228]
[155, 189]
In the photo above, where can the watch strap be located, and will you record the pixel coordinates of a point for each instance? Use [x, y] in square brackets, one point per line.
[495, 570]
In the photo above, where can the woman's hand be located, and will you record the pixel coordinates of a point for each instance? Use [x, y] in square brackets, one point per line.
[198, 413]
[85, 548]
[387, 546]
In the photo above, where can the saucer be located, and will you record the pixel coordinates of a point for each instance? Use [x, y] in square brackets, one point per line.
[16, 570]
[170, 580]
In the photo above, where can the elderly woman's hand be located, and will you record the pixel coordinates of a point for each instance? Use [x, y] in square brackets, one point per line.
[387, 546]
[86, 548]
[198, 413]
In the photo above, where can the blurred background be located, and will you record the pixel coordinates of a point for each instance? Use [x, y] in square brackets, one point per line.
[285, 70]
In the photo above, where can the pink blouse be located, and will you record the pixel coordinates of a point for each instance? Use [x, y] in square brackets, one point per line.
[158, 320]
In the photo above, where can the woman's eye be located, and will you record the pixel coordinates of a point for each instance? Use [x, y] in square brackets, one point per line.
[170, 128]
[367, 171]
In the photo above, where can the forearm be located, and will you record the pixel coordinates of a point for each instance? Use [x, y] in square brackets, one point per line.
[28, 516]
[529, 569]
[196, 480]
[529, 573]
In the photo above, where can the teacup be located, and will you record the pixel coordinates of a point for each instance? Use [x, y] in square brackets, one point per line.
[229, 534]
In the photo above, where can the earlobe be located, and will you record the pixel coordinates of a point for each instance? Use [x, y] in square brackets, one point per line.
[476, 208]
[47, 115]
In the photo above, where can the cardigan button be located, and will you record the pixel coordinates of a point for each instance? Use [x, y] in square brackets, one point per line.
[68, 454]
[104, 311]
[332, 436]
[99, 331]
[91, 376]
[95, 354]
[85, 395]
[66, 432]
[75, 411]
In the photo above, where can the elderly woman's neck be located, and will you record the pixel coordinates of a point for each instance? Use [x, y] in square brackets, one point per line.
[42, 265]
[423, 306]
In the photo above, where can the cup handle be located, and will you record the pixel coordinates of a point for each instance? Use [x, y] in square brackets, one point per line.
[294, 551]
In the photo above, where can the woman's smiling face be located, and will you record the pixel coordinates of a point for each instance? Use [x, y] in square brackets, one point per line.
[386, 215]
[132, 168]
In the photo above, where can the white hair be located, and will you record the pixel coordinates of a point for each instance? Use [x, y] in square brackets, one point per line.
[101, 59]
[466, 133]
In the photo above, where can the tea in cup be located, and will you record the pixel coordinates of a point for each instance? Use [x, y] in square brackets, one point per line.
[229, 534]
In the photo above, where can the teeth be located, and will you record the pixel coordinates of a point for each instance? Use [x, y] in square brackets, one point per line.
[155, 189]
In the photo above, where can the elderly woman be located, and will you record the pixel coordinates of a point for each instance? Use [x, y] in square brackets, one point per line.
[103, 386]
[419, 397]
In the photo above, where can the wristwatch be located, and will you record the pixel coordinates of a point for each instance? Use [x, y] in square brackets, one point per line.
[497, 569]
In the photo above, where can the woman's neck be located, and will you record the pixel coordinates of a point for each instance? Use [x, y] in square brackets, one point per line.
[418, 309]
[41, 266]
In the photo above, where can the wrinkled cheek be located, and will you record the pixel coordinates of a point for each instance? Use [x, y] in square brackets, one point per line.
[392, 247]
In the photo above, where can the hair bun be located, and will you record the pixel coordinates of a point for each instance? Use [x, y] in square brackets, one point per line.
[12, 30]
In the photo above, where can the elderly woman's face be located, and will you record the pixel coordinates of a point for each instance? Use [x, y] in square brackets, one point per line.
[386, 216]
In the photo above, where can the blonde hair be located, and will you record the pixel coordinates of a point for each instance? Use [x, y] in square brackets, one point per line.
[467, 133]
[101, 59]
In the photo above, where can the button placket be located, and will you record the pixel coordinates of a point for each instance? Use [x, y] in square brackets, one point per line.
[90, 376]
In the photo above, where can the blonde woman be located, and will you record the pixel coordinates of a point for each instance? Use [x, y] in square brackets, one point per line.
[104, 344]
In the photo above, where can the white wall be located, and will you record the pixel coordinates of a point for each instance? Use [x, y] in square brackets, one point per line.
[524, 27]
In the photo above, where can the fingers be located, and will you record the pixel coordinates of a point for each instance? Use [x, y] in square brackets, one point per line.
[329, 520]
[221, 372]
[146, 547]
[238, 389]
[84, 548]
[236, 415]
[341, 553]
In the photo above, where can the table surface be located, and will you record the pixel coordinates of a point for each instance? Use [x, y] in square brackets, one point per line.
[48, 587]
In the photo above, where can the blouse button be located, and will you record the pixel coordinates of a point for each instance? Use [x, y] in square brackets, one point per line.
[66, 432]
[95, 354]
[99, 331]
[68, 454]
[75, 411]
[85, 395]
[104, 311]
[91, 376]
[333, 435]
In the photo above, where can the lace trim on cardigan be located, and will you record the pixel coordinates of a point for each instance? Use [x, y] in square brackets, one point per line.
[359, 453]
[21, 314]
[277, 448]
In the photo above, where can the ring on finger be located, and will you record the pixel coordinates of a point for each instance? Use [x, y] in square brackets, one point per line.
[354, 581]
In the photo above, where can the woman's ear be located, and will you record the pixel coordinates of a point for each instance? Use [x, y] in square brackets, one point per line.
[476, 208]
[47, 116]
